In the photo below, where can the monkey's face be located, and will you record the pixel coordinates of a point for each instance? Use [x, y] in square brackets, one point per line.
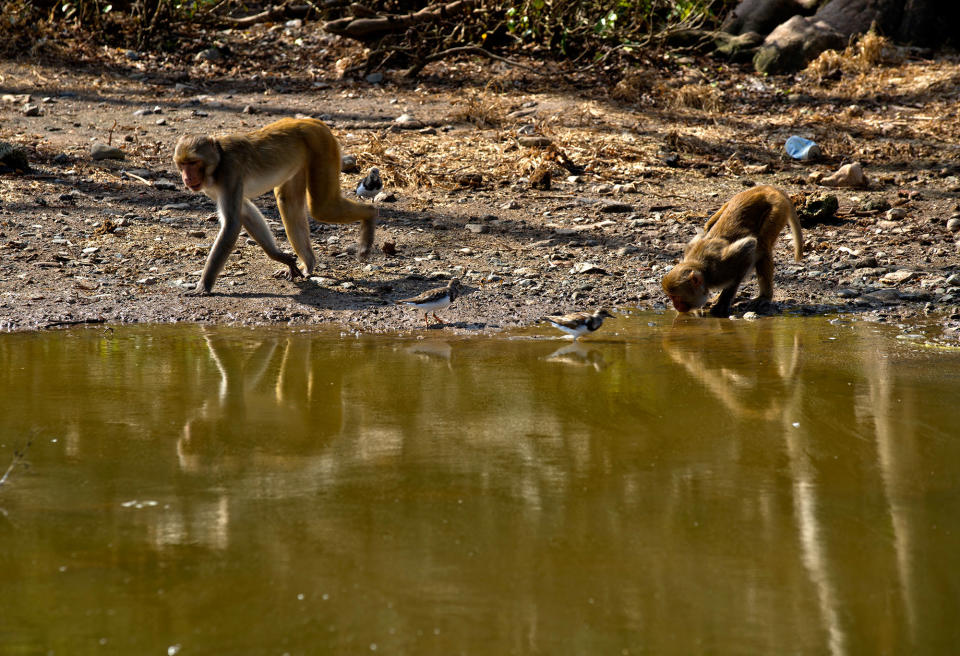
[196, 158]
[192, 174]
[686, 288]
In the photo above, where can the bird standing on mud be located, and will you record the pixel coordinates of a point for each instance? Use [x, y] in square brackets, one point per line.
[578, 323]
[434, 299]
[371, 185]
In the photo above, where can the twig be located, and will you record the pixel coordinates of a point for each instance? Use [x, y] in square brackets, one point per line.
[137, 177]
[467, 50]
[18, 456]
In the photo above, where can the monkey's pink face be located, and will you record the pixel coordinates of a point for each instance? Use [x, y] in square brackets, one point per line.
[192, 174]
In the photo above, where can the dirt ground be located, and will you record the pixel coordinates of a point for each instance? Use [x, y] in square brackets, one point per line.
[634, 169]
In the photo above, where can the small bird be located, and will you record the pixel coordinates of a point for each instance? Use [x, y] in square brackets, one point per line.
[434, 299]
[578, 323]
[371, 185]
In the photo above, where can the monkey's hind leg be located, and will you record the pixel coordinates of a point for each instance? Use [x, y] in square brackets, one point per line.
[256, 226]
[328, 205]
[291, 201]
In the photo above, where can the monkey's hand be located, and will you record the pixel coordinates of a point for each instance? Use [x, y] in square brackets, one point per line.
[294, 271]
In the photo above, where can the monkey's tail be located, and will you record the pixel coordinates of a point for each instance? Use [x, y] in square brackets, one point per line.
[797, 234]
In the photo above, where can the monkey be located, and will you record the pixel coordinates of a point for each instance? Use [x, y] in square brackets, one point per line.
[739, 236]
[300, 160]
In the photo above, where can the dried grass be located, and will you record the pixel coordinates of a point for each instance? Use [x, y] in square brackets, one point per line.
[694, 96]
[481, 109]
[867, 52]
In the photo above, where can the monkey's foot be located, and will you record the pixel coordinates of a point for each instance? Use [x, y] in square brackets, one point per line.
[762, 306]
[197, 291]
[720, 311]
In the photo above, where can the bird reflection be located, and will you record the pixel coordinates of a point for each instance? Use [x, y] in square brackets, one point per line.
[578, 355]
[432, 350]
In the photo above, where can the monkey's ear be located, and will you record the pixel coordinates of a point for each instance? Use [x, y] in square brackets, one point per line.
[741, 248]
[696, 279]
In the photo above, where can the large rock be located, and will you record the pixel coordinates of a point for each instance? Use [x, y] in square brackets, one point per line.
[762, 16]
[794, 44]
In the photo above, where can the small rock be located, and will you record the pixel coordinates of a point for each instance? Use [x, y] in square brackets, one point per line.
[868, 262]
[897, 277]
[587, 267]
[616, 208]
[627, 250]
[477, 228]
[375, 78]
[388, 248]
[385, 197]
[469, 179]
[250, 109]
[875, 205]
[846, 292]
[882, 296]
[953, 280]
[510, 205]
[101, 151]
[953, 225]
[848, 175]
[209, 54]
[534, 142]
[31, 110]
[896, 214]
[407, 122]
[348, 163]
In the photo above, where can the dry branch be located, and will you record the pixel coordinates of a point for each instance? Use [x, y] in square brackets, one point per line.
[371, 29]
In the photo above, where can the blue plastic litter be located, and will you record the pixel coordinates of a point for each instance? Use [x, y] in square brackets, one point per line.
[802, 149]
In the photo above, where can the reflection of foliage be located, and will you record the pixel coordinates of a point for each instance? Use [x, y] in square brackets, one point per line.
[19, 456]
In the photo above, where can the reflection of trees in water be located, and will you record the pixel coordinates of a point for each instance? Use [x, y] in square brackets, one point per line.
[514, 491]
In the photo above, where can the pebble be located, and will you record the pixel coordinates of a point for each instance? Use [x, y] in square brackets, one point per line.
[510, 205]
[897, 277]
[953, 225]
[882, 296]
[209, 54]
[896, 214]
[617, 208]
[534, 142]
[846, 292]
[348, 163]
[31, 110]
[477, 228]
[407, 122]
[99, 151]
[587, 267]
[375, 78]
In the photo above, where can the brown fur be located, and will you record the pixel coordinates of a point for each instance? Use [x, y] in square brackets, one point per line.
[741, 235]
[300, 160]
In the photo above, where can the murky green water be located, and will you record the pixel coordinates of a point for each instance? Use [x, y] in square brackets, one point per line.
[781, 486]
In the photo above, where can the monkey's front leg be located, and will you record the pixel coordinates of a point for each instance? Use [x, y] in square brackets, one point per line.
[256, 226]
[222, 246]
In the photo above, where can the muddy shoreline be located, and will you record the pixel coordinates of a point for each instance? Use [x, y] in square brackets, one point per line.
[119, 241]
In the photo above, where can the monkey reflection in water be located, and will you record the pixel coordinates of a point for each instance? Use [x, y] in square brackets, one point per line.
[742, 364]
[276, 383]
